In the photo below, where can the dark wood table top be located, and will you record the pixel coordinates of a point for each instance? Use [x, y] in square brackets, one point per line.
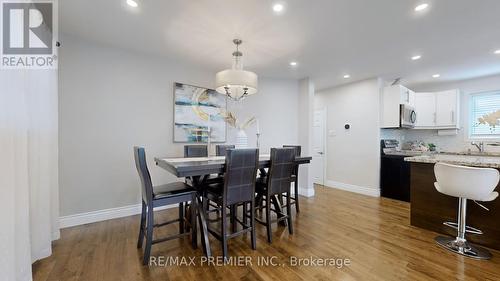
[199, 166]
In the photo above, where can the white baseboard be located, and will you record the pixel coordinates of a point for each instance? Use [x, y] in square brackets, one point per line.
[125, 211]
[102, 215]
[307, 192]
[374, 192]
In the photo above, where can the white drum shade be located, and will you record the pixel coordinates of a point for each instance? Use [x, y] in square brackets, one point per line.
[236, 81]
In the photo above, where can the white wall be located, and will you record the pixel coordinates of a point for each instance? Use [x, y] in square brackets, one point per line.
[353, 156]
[455, 143]
[305, 113]
[275, 106]
[111, 100]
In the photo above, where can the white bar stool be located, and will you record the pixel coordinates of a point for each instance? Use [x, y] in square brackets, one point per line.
[471, 183]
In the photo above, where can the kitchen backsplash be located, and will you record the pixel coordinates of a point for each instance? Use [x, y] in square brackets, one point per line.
[454, 143]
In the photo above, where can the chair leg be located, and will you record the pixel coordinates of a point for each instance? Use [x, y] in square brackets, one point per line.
[459, 244]
[252, 224]
[149, 236]
[268, 220]
[194, 232]
[141, 226]
[181, 218]
[296, 187]
[289, 213]
[187, 213]
[245, 213]
[224, 232]
[205, 205]
[259, 202]
[232, 215]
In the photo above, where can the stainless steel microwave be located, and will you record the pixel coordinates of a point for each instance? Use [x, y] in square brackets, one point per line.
[407, 116]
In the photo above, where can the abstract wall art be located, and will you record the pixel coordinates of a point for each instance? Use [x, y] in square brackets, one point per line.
[196, 111]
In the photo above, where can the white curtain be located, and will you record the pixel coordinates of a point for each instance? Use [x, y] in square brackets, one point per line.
[29, 169]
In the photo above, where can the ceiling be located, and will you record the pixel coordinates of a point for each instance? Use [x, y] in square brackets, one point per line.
[328, 38]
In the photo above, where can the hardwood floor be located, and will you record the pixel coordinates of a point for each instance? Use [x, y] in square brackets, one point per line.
[373, 233]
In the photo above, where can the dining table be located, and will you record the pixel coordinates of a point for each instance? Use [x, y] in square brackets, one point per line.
[198, 169]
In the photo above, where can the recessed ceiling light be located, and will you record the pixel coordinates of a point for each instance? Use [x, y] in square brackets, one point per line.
[293, 63]
[278, 7]
[347, 76]
[436, 75]
[497, 52]
[132, 3]
[416, 57]
[421, 7]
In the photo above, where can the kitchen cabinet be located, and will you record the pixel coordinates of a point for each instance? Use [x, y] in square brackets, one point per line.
[425, 106]
[407, 96]
[438, 110]
[395, 177]
[392, 97]
[446, 108]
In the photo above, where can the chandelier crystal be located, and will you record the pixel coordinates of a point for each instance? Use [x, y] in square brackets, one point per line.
[236, 83]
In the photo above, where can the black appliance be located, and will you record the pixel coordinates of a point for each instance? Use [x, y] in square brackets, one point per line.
[394, 172]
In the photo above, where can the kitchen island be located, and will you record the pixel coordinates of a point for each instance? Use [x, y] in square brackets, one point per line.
[429, 208]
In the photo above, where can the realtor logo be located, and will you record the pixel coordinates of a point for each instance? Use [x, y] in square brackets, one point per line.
[27, 34]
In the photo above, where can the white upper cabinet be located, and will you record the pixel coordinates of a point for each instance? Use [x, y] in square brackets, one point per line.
[407, 96]
[447, 109]
[439, 110]
[425, 106]
[392, 97]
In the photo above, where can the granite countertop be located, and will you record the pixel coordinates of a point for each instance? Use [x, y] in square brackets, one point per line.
[484, 160]
[404, 152]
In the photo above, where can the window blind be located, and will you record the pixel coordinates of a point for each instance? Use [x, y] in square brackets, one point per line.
[485, 115]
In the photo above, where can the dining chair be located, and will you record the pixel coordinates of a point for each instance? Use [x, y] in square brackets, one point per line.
[220, 149]
[295, 178]
[238, 189]
[465, 183]
[191, 151]
[195, 151]
[277, 183]
[162, 195]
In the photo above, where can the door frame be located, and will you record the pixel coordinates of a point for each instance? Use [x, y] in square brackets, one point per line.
[325, 139]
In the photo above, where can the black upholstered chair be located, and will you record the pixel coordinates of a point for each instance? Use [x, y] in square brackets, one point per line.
[191, 151]
[237, 190]
[195, 151]
[295, 178]
[220, 149]
[277, 183]
[167, 194]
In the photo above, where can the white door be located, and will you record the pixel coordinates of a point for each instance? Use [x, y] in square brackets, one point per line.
[318, 161]
[446, 103]
[425, 106]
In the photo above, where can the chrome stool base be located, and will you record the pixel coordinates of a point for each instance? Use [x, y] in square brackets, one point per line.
[463, 248]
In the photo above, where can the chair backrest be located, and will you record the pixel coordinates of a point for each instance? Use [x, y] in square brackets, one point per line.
[195, 151]
[465, 182]
[281, 170]
[220, 149]
[239, 179]
[297, 148]
[142, 169]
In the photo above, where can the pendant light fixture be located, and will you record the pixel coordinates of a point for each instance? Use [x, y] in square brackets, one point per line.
[236, 83]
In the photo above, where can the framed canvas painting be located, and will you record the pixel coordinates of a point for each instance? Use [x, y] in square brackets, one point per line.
[196, 111]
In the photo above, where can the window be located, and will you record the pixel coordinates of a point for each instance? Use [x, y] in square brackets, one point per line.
[485, 115]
